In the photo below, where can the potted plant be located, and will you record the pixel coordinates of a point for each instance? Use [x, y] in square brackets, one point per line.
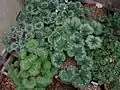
[55, 38]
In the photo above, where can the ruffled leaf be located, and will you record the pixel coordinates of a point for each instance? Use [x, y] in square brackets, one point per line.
[53, 36]
[76, 50]
[57, 59]
[24, 65]
[85, 62]
[44, 5]
[68, 75]
[60, 44]
[61, 7]
[39, 25]
[44, 81]
[29, 36]
[98, 29]
[14, 46]
[86, 29]
[76, 39]
[29, 83]
[32, 45]
[72, 25]
[42, 53]
[47, 65]
[83, 79]
[93, 42]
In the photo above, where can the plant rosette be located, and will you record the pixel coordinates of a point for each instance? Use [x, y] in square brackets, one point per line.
[68, 62]
[92, 11]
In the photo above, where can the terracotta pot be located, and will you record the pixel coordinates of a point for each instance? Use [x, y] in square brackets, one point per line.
[95, 13]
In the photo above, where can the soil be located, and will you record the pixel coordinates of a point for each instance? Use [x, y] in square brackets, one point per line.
[6, 83]
[69, 62]
[57, 85]
[96, 13]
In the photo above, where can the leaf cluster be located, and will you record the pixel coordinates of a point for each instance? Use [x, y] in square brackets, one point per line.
[35, 70]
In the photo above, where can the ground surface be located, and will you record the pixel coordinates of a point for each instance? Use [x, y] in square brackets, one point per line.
[8, 12]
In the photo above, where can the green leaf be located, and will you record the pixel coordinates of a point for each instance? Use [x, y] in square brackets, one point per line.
[44, 5]
[22, 44]
[72, 25]
[76, 50]
[16, 63]
[47, 65]
[42, 53]
[57, 59]
[83, 79]
[93, 42]
[39, 25]
[98, 29]
[76, 39]
[59, 20]
[71, 5]
[44, 13]
[32, 45]
[39, 35]
[24, 65]
[33, 71]
[54, 71]
[47, 20]
[68, 75]
[47, 31]
[29, 28]
[85, 62]
[29, 83]
[13, 73]
[12, 29]
[53, 36]
[29, 36]
[61, 7]
[60, 44]
[5, 39]
[29, 7]
[24, 74]
[14, 46]
[86, 29]
[44, 81]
